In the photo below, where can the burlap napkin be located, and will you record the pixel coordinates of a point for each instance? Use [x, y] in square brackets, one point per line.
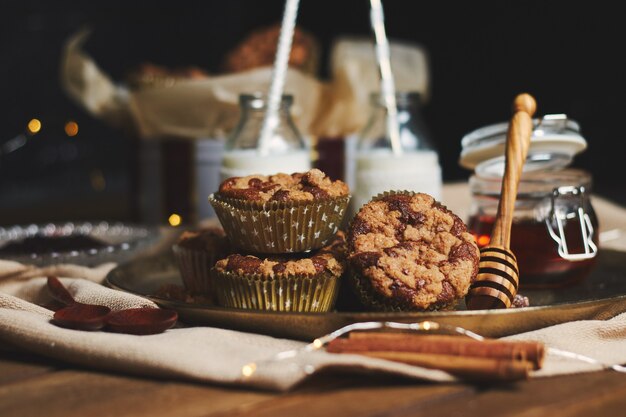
[221, 356]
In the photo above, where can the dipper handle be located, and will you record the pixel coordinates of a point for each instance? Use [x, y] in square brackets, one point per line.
[517, 144]
[498, 275]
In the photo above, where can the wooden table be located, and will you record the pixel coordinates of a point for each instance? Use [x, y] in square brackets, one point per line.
[34, 386]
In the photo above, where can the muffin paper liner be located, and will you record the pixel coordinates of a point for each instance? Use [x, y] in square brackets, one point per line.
[279, 227]
[287, 293]
[195, 270]
[369, 298]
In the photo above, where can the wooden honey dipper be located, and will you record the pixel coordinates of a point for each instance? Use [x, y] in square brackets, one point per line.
[498, 275]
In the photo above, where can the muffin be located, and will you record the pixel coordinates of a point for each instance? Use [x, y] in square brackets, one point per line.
[408, 252]
[150, 75]
[196, 251]
[258, 49]
[304, 282]
[281, 213]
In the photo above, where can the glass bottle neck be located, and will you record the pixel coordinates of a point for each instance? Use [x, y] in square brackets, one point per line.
[245, 136]
[248, 113]
[414, 135]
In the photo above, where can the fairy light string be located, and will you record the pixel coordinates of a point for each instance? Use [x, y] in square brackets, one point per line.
[427, 326]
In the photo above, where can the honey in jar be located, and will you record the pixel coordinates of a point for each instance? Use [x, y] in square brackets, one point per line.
[554, 234]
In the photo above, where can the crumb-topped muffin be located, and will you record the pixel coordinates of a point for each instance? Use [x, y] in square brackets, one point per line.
[196, 252]
[211, 239]
[281, 213]
[298, 264]
[409, 252]
[258, 49]
[307, 186]
[298, 282]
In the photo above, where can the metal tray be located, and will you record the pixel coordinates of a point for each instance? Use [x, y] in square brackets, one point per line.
[602, 295]
[116, 241]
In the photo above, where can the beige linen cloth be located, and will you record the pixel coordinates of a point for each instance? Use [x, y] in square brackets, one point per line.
[215, 355]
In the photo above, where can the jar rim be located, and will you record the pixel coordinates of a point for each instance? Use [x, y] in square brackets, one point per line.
[532, 184]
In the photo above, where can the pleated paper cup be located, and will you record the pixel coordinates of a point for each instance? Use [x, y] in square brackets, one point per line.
[195, 270]
[284, 293]
[370, 298]
[279, 227]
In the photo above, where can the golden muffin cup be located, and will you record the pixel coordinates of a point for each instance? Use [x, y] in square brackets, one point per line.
[286, 293]
[281, 213]
[278, 227]
[304, 282]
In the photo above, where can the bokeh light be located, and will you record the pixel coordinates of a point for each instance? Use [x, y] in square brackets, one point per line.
[34, 126]
[97, 180]
[175, 220]
[71, 128]
[483, 240]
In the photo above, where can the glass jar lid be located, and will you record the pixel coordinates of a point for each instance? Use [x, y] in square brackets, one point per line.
[554, 143]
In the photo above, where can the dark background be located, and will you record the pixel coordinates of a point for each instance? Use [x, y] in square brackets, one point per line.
[569, 55]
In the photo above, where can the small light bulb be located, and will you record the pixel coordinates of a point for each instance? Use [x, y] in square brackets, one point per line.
[248, 370]
[175, 220]
[34, 126]
[317, 344]
[71, 128]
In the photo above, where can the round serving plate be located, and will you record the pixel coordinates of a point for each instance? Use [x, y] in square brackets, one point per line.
[602, 295]
[87, 243]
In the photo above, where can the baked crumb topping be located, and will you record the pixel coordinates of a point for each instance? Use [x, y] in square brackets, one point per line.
[330, 258]
[306, 186]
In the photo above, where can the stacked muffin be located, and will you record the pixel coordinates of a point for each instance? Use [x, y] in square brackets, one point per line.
[281, 249]
[290, 253]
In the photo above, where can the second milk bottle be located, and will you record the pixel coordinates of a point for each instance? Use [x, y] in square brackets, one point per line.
[378, 169]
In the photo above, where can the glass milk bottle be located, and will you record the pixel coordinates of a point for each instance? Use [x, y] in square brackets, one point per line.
[377, 169]
[287, 151]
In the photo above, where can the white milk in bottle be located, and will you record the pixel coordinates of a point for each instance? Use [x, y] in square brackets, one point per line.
[378, 169]
[287, 151]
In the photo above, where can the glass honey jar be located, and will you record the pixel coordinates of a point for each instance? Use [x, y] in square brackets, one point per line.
[555, 229]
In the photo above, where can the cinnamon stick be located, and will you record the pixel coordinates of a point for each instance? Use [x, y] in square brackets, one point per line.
[474, 368]
[359, 342]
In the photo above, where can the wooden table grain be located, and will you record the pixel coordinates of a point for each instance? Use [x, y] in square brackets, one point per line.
[31, 385]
